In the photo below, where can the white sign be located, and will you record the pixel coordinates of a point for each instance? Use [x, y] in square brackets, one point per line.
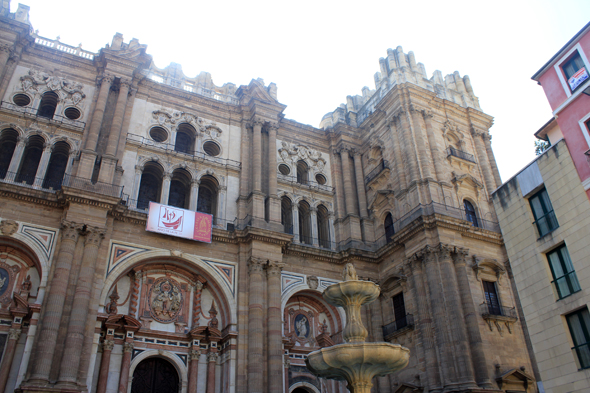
[577, 79]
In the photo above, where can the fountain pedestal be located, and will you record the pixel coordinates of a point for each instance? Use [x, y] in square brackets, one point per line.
[355, 361]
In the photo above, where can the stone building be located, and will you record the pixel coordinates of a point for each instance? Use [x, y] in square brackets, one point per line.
[396, 181]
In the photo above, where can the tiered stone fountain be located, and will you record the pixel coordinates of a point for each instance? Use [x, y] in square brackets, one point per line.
[356, 361]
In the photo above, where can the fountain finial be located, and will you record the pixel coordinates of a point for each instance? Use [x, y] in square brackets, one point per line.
[349, 273]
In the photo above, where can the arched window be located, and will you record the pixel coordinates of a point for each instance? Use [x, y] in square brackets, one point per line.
[180, 189]
[30, 160]
[48, 105]
[388, 224]
[185, 139]
[287, 214]
[8, 140]
[57, 166]
[323, 219]
[470, 213]
[302, 170]
[150, 186]
[304, 223]
[208, 190]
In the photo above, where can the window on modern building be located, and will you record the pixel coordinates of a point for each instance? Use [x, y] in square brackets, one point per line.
[30, 161]
[287, 214]
[543, 212]
[208, 191]
[564, 275]
[575, 71]
[388, 224]
[185, 138]
[399, 311]
[180, 189]
[323, 221]
[302, 172]
[150, 186]
[8, 140]
[492, 300]
[57, 166]
[579, 325]
[48, 104]
[304, 223]
[470, 213]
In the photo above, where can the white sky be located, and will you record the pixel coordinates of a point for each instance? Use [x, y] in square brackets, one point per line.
[318, 52]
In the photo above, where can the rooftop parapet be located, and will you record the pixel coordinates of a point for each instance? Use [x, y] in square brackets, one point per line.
[398, 68]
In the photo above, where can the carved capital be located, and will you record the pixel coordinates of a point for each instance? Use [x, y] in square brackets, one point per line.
[6, 48]
[167, 176]
[70, 230]
[274, 268]
[125, 82]
[428, 114]
[198, 286]
[195, 182]
[195, 354]
[256, 265]
[273, 126]
[106, 78]
[107, 345]
[212, 356]
[14, 334]
[461, 255]
[444, 251]
[427, 254]
[128, 347]
[94, 236]
[477, 132]
[138, 169]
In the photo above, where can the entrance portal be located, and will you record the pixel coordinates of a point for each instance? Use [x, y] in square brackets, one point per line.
[155, 375]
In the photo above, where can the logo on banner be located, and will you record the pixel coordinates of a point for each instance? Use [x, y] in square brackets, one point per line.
[171, 218]
[577, 79]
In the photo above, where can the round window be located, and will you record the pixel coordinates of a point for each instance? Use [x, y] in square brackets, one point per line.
[158, 134]
[211, 148]
[284, 169]
[21, 99]
[321, 179]
[72, 113]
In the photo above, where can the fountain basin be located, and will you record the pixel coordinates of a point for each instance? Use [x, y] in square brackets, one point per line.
[358, 363]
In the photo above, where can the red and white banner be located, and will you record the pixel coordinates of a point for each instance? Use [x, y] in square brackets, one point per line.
[577, 79]
[179, 222]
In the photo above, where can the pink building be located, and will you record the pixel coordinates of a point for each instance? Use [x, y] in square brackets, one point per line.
[565, 78]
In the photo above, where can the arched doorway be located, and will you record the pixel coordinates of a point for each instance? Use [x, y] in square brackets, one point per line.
[155, 375]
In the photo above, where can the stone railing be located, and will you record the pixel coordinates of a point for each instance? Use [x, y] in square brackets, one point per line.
[55, 44]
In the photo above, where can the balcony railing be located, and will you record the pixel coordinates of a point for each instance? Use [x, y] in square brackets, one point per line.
[28, 181]
[32, 113]
[546, 223]
[311, 185]
[383, 165]
[170, 148]
[398, 325]
[451, 151]
[83, 184]
[489, 309]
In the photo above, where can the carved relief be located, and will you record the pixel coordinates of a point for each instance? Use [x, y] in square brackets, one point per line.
[291, 152]
[312, 282]
[166, 117]
[8, 227]
[37, 82]
[165, 300]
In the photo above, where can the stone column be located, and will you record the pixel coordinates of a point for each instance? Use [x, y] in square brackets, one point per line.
[296, 237]
[13, 336]
[70, 163]
[136, 185]
[47, 338]
[423, 154]
[471, 321]
[8, 69]
[257, 153]
[398, 157]
[424, 323]
[438, 315]
[165, 189]
[17, 157]
[408, 146]
[455, 313]
[255, 325]
[275, 327]
[194, 194]
[88, 155]
[220, 214]
[197, 303]
[439, 169]
[103, 374]
[487, 139]
[109, 159]
[211, 362]
[193, 370]
[43, 164]
[244, 172]
[286, 373]
[134, 301]
[77, 325]
[5, 51]
[313, 216]
[347, 175]
[360, 184]
[484, 164]
[331, 230]
[340, 204]
[274, 201]
[125, 366]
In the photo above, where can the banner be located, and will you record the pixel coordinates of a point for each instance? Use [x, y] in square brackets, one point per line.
[577, 79]
[174, 221]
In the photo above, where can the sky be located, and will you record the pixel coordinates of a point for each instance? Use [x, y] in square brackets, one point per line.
[318, 52]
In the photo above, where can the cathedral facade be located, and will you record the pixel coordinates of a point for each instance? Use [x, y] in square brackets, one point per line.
[396, 181]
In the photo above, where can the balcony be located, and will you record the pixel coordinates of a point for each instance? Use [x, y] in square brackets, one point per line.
[310, 185]
[497, 315]
[381, 167]
[30, 182]
[398, 327]
[451, 151]
[31, 113]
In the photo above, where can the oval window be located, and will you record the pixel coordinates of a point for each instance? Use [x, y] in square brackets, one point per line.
[72, 113]
[321, 179]
[284, 169]
[158, 134]
[21, 99]
[211, 148]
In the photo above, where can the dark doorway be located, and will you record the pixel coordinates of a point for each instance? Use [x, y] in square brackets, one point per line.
[155, 375]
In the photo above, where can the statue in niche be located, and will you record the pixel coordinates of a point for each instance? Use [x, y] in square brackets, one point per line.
[26, 285]
[301, 326]
[166, 300]
[4, 281]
